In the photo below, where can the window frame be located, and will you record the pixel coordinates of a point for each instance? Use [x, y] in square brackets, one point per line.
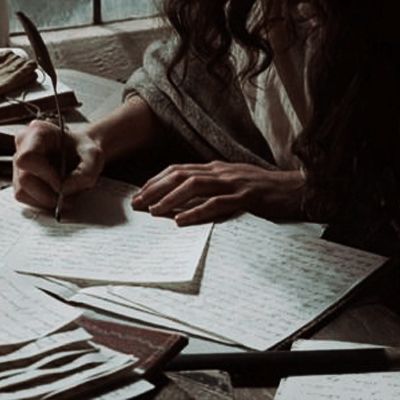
[97, 12]
[97, 20]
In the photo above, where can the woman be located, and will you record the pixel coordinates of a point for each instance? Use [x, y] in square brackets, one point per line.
[296, 101]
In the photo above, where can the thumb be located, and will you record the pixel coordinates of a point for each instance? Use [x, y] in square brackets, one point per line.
[86, 173]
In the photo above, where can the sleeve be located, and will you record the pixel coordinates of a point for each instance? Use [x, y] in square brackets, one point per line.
[211, 118]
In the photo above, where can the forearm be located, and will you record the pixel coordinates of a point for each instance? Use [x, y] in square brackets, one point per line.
[129, 128]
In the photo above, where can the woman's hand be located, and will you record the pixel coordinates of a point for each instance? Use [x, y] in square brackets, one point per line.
[196, 193]
[36, 179]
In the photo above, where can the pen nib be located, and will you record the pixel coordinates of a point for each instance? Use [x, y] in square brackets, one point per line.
[57, 215]
[57, 212]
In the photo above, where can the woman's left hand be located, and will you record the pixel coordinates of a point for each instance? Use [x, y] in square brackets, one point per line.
[197, 193]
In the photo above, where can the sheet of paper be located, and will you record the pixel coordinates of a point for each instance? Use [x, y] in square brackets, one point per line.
[46, 360]
[62, 362]
[371, 386]
[110, 243]
[62, 289]
[14, 221]
[75, 339]
[27, 313]
[100, 298]
[4, 182]
[294, 229]
[259, 288]
[31, 374]
[115, 305]
[88, 369]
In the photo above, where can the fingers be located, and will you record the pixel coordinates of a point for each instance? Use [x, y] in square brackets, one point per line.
[192, 188]
[33, 191]
[158, 187]
[25, 198]
[85, 175]
[213, 208]
[204, 192]
[34, 145]
[177, 169]
[38, 166]
[40, 136]
[36, 180]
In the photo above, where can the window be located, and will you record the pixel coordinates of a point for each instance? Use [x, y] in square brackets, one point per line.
[69, 13]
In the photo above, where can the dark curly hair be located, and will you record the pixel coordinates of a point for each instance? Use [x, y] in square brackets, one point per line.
[351, 143]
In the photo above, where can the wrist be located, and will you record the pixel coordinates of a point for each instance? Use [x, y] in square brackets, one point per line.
[292, 187]
[97, 137]
[296, 199]
[129, 128]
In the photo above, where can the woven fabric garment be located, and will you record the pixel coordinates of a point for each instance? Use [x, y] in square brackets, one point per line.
[15, 72]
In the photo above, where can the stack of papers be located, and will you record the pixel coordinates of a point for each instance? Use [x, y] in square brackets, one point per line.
[371, 386]
[249, 283]
[27, 313]
[41, 357]
[62, 365]
[255, 299]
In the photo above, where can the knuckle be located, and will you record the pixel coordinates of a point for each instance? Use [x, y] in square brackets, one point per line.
[24, 180]
[193, 182]
[199, 212]
[223, 201]
[178, 176]
[44, 131]
[232, 180]
[42, 135]
[41, 126]
[216, 164]
[23, 160]
[96, 151]
[34, 128]
[20, 137]
[36, 124]
[19, 194]
[19, 160]
[97, 155]
[216, 202]
[245, 194]
[172, 168]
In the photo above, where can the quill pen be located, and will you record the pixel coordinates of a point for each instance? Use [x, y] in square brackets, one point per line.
[44, 61]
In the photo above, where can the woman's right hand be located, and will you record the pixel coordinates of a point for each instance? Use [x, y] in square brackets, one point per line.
[36, 179]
